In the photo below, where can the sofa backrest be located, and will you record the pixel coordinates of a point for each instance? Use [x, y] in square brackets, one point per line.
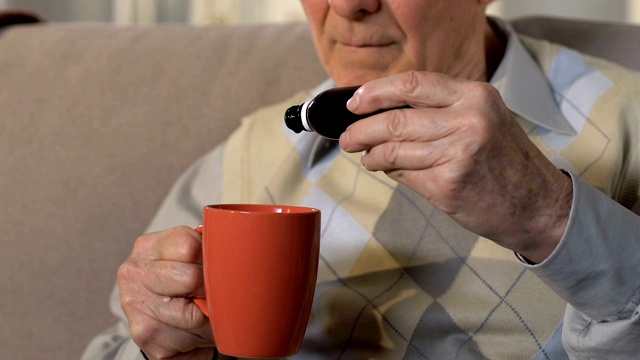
[96, 123]
[616, 42]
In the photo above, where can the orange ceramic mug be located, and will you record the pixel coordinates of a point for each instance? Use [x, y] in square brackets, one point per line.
[260, 270]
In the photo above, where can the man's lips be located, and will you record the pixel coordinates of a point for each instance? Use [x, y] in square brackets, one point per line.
[357, 44]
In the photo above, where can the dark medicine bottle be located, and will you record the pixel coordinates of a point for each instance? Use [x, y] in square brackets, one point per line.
[326, 114]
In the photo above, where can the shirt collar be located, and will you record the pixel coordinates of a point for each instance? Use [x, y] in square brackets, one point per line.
[524, 87]
[522, 84]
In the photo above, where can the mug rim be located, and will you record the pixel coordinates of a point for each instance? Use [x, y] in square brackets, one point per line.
[262, 209]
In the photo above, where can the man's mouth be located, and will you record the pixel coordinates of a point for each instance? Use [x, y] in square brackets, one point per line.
[363, 44]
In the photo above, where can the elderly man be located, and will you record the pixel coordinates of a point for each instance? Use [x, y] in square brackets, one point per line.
[488, 219]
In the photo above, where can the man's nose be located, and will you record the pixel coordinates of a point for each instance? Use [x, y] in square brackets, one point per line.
[354, 9]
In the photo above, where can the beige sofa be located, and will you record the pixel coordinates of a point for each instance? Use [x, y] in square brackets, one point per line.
[97, 122]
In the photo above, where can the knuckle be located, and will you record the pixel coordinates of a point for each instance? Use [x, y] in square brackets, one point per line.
[143, 331]
[479, 119]
[127, 272]
[131, 283]
[477, 123]
[411, 82]
[129, 301]
[189, 246]
[143, 243]
[391, 153]
[396, 124]
[183, 229]
[484, 93]
[123, 273]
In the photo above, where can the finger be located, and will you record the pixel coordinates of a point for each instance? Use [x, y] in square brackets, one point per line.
[398, 125]
[174, 279]
[405, 155]
[182, 313]
[138, 302]
[182, 244]
[413, 88]
[161, 341]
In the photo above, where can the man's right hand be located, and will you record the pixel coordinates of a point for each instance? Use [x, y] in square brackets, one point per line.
[157, 284]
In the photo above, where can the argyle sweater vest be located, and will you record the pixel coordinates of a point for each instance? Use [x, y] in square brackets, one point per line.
[397, 277]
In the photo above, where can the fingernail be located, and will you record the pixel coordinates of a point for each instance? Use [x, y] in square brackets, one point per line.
[352, 104]
[362, 155]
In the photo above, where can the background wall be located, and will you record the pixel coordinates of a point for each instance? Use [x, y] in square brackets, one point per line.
[250, 11]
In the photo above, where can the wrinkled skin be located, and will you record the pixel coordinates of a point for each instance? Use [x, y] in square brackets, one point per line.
[156, 284]
[460, 148]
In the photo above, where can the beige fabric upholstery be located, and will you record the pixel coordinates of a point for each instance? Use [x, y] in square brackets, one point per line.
[96, 122]
[616, 42]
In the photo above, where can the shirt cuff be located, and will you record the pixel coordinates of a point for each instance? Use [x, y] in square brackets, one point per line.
[595, 264]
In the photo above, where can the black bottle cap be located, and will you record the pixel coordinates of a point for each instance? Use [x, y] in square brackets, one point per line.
[293, 118]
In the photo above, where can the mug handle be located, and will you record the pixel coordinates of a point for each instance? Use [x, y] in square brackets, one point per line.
[201, 302]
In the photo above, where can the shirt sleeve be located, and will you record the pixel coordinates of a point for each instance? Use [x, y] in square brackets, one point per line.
[198, 186]
[594, 268]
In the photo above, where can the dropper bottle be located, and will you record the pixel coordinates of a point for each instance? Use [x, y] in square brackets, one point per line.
[325, 114]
